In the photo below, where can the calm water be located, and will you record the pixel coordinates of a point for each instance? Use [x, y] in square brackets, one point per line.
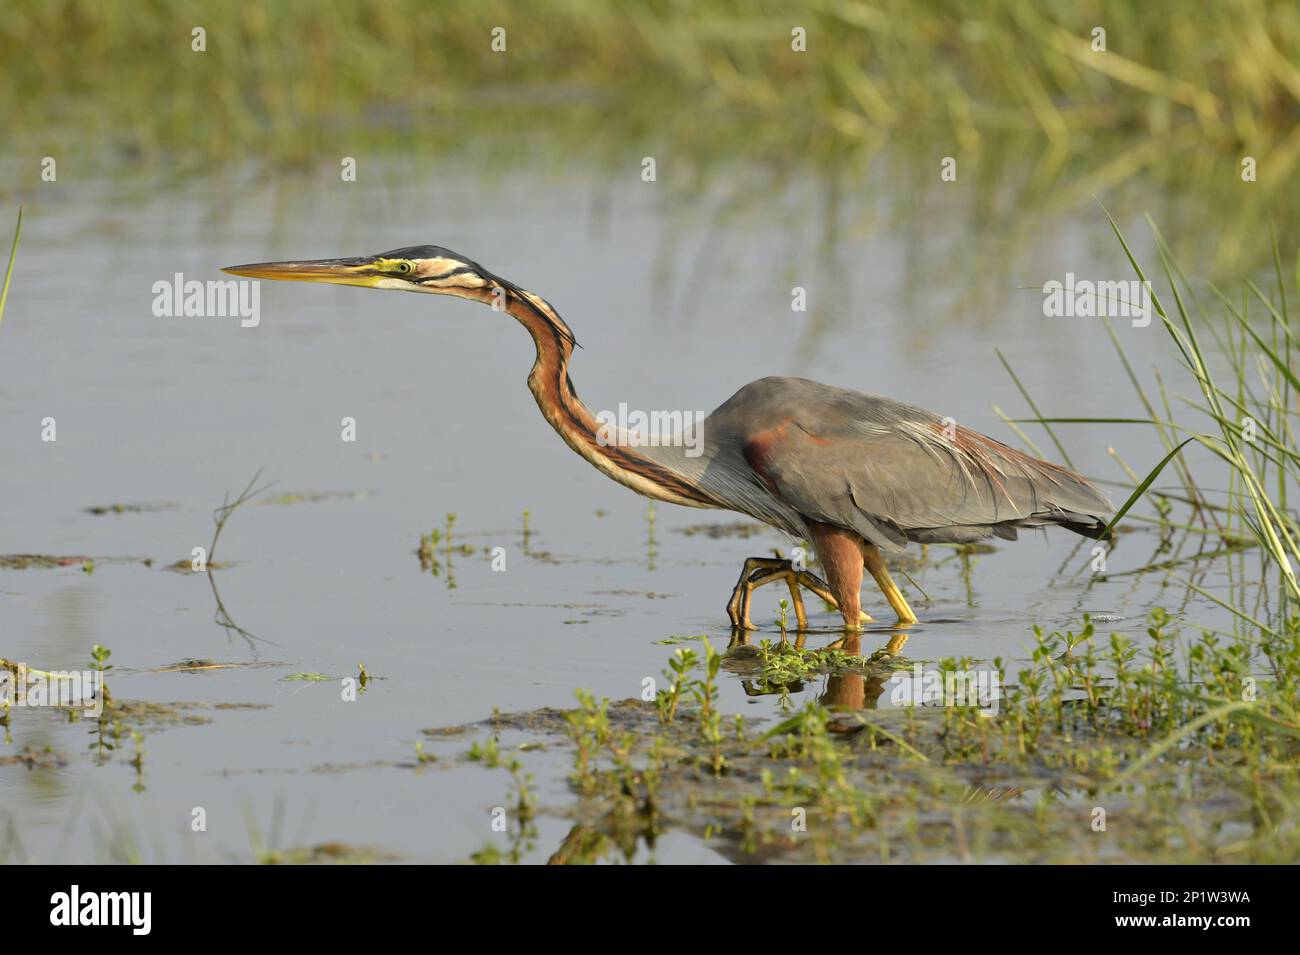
[675, 308]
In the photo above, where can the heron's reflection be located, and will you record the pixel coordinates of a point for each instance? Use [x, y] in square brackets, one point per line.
[861, 691]
[613, 835]
[844, 690]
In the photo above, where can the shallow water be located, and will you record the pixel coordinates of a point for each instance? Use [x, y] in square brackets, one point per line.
[675, 308]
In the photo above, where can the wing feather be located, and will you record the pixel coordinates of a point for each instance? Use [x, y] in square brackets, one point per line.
[896, 473]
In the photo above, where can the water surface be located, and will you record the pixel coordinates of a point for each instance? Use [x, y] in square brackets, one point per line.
[676, 308]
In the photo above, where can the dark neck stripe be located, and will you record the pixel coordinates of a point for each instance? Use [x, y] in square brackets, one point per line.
[577, 414]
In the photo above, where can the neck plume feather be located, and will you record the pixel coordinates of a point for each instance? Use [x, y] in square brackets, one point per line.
[562, 408]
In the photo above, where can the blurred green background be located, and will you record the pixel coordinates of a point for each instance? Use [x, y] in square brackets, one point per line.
[1013, 90]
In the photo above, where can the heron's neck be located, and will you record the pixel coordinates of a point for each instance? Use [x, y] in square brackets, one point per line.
[553, 389]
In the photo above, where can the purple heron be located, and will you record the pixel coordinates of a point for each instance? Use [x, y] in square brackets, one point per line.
[857, 475]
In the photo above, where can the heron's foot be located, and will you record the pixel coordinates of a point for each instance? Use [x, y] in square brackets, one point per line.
[754, 570]
[760, 571]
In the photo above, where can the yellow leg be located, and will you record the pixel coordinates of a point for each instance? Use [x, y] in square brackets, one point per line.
[880, 573]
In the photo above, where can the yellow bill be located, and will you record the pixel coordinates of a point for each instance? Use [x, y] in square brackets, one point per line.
[364, 271]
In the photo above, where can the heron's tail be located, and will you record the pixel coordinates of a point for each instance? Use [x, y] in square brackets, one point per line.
[1074, 503]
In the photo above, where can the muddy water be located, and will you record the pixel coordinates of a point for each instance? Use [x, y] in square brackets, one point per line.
[675, 309]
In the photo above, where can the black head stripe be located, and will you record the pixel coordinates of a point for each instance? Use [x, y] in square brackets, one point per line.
[463, 270]
[431, 252]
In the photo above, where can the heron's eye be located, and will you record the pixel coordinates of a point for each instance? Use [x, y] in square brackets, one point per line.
[404, 267]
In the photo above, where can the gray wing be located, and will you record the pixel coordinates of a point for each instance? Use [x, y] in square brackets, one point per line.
[893, 472]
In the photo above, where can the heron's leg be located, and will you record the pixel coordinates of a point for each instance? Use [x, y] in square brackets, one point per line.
[738, 595]
[840, 551]
[875, 564]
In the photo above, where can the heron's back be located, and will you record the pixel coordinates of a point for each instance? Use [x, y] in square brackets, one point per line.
[891, 471]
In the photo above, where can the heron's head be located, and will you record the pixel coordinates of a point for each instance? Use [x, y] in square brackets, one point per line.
[419, 268]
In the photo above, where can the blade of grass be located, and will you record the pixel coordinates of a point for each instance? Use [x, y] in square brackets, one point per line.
[1225, 605]
[1141, 488]
[1172, 740]
[9, 272]
[1030, 401]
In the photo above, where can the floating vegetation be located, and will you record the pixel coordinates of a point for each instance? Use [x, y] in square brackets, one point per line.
[44, 561]
[30, 758]
[81, 694]
[324, 853]
[328, 853]
[624, 591]
[445, 731]
[187, 566]
[783, 667]
[1088, 757]
[145, 508]
[183, 713]
[203, 666]
[69, 689]
[437, 549]
[51, 561]
[313, 497]
[738, 529]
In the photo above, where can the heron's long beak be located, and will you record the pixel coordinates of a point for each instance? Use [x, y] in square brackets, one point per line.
[353, 271]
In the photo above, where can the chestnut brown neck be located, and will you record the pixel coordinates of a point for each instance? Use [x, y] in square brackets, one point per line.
[560, 405]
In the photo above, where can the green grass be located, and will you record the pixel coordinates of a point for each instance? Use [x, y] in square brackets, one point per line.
[1257, 391]
[1239, 356]
[890, 65]
[9, 269]
[1011, 89]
